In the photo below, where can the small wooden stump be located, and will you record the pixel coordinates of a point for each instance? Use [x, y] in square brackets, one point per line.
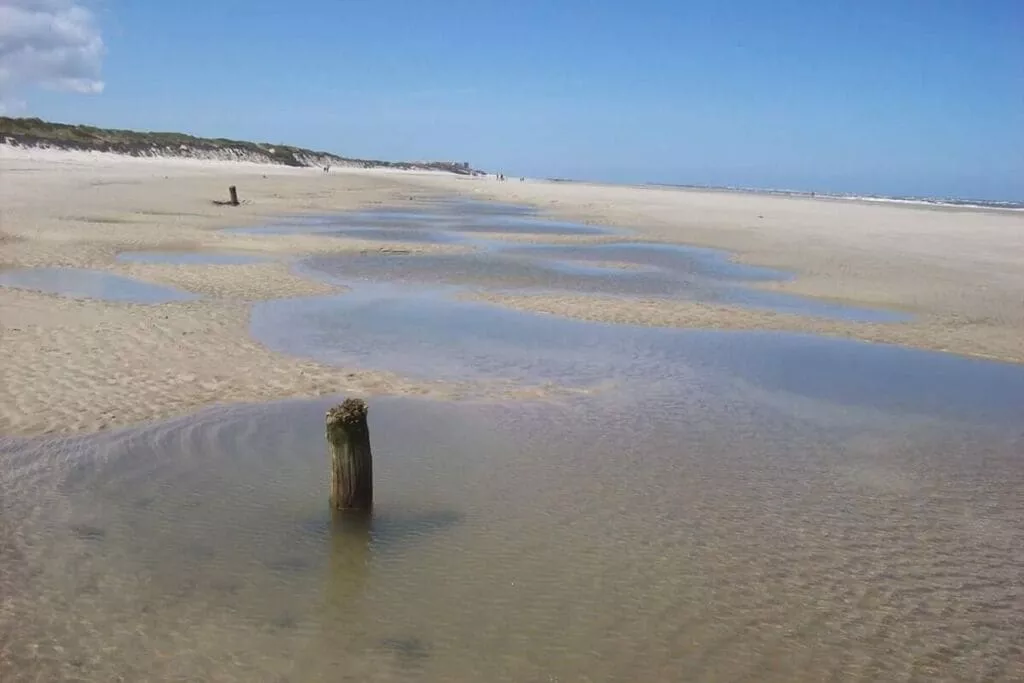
[233, 191]
[348, 438]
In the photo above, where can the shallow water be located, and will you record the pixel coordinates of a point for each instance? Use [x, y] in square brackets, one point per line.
[716, 506]
[450, 221]
[497, 271]
[678, 258]
[396, 235]
[661, 270]
[494, 271]
[430, 335]
[574, 267]
[91, 284]
[472, 217]
[700, 531]
[190, 258]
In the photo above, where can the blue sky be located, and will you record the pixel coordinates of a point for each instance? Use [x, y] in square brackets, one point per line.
[920, 97]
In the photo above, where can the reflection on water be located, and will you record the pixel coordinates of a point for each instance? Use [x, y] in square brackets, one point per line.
[496, 271]
[729, 506]
[396, 235]
[195, 537]
[503, 272]
[426, 334]
[190, 258]
[92, 284]
[678, 258]
[683, 535]
[660, 270]
[440, 221]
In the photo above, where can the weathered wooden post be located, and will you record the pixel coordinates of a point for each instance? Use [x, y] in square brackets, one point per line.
[233, 191]
[351, 461]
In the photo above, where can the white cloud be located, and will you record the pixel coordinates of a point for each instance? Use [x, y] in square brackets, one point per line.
[49, 43]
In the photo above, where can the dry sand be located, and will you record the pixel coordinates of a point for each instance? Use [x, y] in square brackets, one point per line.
[81, 365]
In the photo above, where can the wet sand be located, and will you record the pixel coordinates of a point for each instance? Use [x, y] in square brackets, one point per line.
[706, 531]
[958, 272]
[926, 332]
[683, 504]
[82, 365]
[960, 269]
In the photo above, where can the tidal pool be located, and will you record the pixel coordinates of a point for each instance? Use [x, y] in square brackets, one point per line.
[91, 284]
[709, 506]
[191, 258]
[670, 271]
[698, 529]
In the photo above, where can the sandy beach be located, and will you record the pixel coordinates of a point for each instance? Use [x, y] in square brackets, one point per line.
[79, 365]
[960, 271]
[302, 380]
[72, 365]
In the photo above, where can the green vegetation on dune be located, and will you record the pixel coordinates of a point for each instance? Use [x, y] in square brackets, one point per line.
[34, 132]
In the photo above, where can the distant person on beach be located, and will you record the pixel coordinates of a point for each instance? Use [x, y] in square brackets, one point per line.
[327, 168]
